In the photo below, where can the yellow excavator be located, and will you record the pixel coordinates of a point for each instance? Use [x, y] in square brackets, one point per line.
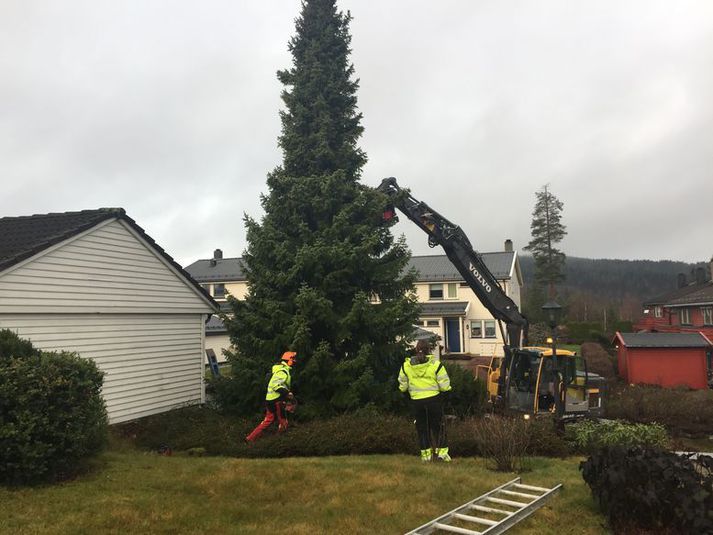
[528, 380]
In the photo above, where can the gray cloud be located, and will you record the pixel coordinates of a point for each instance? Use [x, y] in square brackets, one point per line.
[170, 109]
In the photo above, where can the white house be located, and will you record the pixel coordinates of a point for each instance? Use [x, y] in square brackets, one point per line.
[94, 282]
[449, 308]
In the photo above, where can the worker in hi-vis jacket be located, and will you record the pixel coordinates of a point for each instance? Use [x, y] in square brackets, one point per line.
[427, 382]
[278, 394]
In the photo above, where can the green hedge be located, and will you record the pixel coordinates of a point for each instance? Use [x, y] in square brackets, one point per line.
[649, 489]
[589, 435]
[52, 416]
[681, 411]
[364, 432]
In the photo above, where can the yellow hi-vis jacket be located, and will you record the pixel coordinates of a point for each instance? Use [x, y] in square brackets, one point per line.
[279, 380]
[424, 380]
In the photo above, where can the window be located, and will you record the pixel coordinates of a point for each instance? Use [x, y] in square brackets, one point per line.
[452, 290]
[684, 316]
[435, 291]
[707, 315]
[219, 290]
[490, 329]
[658, 311]
[433, 323]
[476, 329]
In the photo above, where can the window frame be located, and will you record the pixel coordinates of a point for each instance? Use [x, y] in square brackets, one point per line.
[431, 288]
[479, 324]
[217, 295]
[658, 311]
[684, 312]
[485, 329]
[452, 286]
[707, 311]
[433, 323]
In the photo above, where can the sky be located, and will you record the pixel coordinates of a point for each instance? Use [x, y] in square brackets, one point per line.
[169, 109]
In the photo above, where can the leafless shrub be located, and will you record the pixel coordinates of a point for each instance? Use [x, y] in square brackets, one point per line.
[503, 441]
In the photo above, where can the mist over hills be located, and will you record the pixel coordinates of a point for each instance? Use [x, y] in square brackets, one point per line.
[593, 285]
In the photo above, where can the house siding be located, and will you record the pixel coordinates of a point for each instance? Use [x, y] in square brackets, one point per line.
[152, 362]
[111, 297]
[107, 269]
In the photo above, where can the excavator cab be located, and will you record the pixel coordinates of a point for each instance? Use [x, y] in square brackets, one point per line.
[539, 382]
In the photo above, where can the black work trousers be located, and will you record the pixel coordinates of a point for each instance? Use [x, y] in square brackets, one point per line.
[429, 415]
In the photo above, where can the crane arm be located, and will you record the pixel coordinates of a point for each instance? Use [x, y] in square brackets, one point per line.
[465, 259]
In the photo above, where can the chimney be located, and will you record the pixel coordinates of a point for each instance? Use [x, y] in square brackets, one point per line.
[681, 281]
[218, 254]
[508, 245]
[700, 275]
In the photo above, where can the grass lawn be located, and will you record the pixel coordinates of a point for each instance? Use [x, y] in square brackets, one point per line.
[131, 491]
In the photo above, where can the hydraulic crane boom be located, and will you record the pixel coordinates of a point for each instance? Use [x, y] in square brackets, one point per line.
[466, 260]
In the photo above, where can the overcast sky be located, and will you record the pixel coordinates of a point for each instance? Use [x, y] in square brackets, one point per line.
[170, 110]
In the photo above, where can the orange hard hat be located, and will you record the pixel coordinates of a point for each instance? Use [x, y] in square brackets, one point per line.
[289, 357]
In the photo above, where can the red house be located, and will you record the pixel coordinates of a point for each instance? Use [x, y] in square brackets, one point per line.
[665, 359]
[688, 309]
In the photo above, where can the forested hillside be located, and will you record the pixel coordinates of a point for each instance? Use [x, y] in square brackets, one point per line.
[593, 286]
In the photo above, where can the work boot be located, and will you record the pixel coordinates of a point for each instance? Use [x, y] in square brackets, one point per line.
[442, 454]
[427, 455]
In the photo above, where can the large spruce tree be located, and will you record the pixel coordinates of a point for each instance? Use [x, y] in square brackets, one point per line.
[547, 230]
[320, 255]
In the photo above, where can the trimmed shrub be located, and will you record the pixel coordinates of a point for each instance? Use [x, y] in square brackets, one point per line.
[52, 415]
[589, 435]
[681, 411]
[652, 489]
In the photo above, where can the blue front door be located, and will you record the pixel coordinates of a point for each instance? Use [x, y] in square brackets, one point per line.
[453, 335]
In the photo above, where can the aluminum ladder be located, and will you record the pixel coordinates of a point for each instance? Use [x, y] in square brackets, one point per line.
[529, 499]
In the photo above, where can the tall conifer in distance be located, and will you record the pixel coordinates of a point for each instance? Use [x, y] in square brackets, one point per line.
[547, 230]
[320, 253]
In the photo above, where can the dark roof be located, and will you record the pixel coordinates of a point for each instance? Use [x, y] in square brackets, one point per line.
[702, 294]
[673, 295]
[25, 236]
[424, 334]
[449, 308]
[22, 237]
[672, 340]
[215, 326]
[220, 269]
[429, 268]
[440, 268]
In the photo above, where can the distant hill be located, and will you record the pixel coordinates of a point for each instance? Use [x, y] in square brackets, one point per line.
[618, 284]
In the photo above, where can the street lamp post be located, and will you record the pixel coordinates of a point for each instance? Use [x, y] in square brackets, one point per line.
[553, 310]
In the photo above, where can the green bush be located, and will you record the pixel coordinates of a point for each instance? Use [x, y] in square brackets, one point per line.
[681, 411]
[589, 435]
[468, 394]
[52, 415]
[12, 345]
[649, 489]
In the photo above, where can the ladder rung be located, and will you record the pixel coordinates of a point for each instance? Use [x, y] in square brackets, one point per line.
[490, 510]
[476, 519]
[507, 502]
[521, 494]
[530, 487]
[454, 529]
